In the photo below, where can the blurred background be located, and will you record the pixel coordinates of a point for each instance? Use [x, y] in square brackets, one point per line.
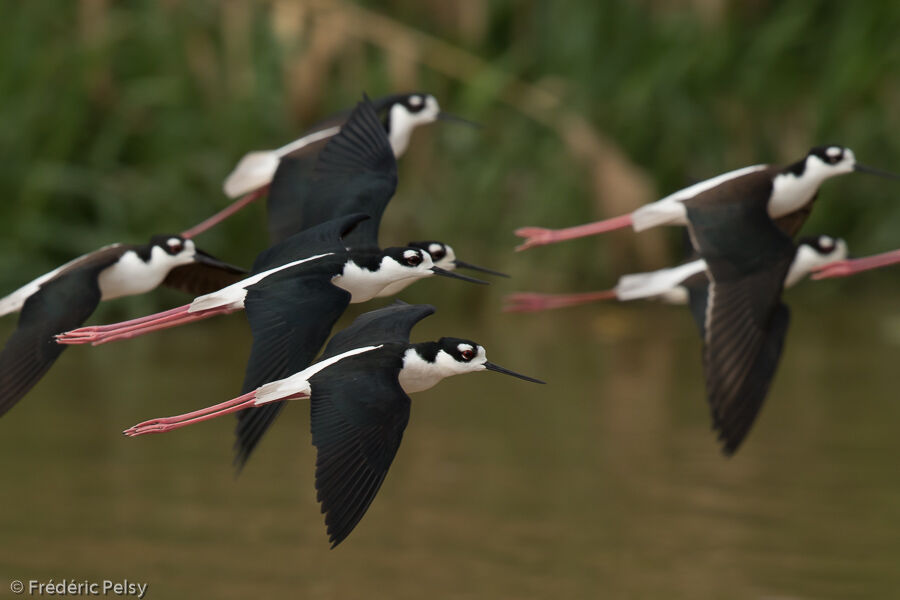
[121, 120]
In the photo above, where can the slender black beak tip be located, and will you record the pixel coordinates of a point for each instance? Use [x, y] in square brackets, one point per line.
[442, 116]
[465, 265]
[497, 368]
[873, 171]
[445, 273]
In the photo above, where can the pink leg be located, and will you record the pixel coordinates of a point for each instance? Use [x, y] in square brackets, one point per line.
[165, 424]
[530, 302]
[845, 268]
[127, 330]
[538, 236]
[225, 213]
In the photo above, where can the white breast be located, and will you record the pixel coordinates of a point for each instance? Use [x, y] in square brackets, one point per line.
[130, 275]
[364, 285]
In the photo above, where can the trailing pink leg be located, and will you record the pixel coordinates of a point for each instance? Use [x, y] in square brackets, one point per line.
[531, 302]
[137, 327]
[845, 268]
[539, 236]
[165, 424]
[225, 213]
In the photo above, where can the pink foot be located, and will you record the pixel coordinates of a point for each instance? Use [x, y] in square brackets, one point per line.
[539, 236]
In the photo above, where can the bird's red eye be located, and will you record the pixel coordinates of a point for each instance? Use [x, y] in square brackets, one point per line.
[467, 354]
[414, 260]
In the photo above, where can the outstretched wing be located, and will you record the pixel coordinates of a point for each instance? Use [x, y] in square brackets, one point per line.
[358, 415]
[355, 172]
[747, 258]
[200, 278]
[60, 304]
[389, 324]
[290, 318]
[320, 239]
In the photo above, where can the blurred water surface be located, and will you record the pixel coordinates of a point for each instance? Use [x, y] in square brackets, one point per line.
[604, 483]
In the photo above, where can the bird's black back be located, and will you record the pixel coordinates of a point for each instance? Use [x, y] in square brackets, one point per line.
[391, 324]
[355, 172]
[322, 238]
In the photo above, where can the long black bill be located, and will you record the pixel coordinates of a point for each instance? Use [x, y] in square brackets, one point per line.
[442, 116]
[874, 171]
[209, 260]
[445, 273]
[492, 367]
[465, 265]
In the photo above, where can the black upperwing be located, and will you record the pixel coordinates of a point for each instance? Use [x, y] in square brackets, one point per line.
[386, 325]
[291, 314]
[203, 276]
[323, 238]
[355, 172]
[60, 304]
[358, 415]
[748, 258]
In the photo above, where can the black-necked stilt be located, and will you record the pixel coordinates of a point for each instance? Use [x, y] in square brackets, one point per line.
[359, 403]
[847, 267]
[786, 193]
[674, 285]
[401, 114]
[65, 297]
[296, 292]
[740, 317]
[355, 172]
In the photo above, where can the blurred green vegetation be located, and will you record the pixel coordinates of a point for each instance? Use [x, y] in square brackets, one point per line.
[122, 119]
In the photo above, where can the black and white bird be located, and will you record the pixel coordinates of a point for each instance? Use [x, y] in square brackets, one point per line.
[785, 194]
[681, 285]
[250, 179]
[740, 316]
[304, 193]
[297, 290]
[65, 297]
[360, 406]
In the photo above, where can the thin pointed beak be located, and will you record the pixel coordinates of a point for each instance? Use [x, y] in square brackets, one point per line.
[492, 367]
[465, 265]
[442, 116]
[209, 260]
[873, 171]
[445, 273]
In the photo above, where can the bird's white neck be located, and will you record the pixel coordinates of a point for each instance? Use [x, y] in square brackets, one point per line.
[791, 192]
[364, 284]
[132, 275]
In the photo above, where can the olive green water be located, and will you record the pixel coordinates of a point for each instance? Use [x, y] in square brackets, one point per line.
[606, 483]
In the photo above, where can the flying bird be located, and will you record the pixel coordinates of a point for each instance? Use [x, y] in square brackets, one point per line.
[65, 297]
[359, 403]
[786, 194]
[250, 179]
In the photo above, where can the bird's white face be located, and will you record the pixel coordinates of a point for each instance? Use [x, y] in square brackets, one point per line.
[814, 254]
[830, 161]
[179, 251]
[409, 263]
[415, 110]
[443, 255]
[458, 357]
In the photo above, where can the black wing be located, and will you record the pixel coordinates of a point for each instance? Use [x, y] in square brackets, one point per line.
[205, 276]
[389, 324]
[747, 259]
[355, 172]
[290, 318]
[358, 415]
[61, 304]
[697, 286]
[321, 239]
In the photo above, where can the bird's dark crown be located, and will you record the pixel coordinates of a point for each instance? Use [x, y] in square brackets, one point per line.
[426, 245]
[461, 350]
[829, 155]
[824, 244]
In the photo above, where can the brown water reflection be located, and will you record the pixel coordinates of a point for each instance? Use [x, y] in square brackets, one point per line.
[605, 483]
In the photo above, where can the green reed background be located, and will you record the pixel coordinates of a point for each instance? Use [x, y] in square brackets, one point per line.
[120, 120]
